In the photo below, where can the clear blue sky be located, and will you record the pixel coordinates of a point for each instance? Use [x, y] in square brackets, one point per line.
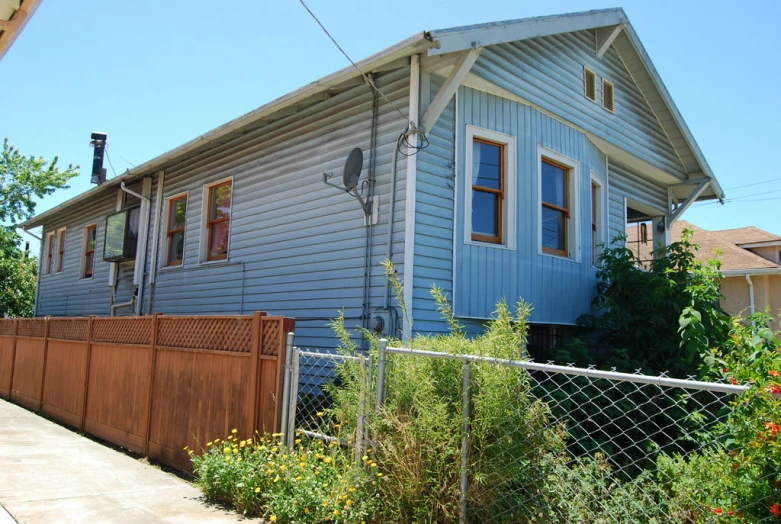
[154, 75]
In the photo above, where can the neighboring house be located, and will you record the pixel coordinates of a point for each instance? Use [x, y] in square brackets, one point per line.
[750, 262]
[545, 136]
[14, 15]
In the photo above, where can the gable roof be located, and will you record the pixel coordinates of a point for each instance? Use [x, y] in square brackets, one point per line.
[734, 259]
[749, 235]
[442, 42]
[14, 15]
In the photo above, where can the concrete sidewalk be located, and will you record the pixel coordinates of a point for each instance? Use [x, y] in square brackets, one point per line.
[51, 474]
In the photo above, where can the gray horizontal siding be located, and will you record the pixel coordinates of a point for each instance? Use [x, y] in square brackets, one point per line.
[434, 219]
[296, 245]
[66, 293]
[548, 72]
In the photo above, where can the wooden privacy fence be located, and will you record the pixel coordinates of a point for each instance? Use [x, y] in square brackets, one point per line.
[150, 384]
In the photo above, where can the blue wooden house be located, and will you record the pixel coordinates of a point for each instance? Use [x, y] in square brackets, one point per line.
[496, 158]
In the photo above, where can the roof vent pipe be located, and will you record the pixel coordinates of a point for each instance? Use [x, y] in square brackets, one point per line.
[98, 142]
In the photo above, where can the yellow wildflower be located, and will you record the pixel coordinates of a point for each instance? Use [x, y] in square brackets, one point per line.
[242, 444]
[257, 490]
[351, 489]
[277, 478]
[234, 430]
[319, 413]
[379, 474]
[186, 448]
[235, 450]
[208, 444]
[282, 467]
[327, 460]
[298, 441]
[226, 450]
[274, 449]
[272, 518]
[349, 502]
[336, 512]
[299, 477]
[373, 465]
[306, 510]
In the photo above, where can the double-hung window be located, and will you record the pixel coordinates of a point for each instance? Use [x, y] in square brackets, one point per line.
[555, 207]
[218, 219]
[177, 213]
[90, 243]
[558, 204]
[490, 183]
[60, 250]
[488, 190]
[48, 261]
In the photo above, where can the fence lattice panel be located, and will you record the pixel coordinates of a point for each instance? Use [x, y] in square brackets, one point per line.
[130, 330]
[69, 328]
[32, 327]
[211, 333]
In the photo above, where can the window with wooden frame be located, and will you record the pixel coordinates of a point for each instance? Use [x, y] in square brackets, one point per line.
[590, 84]
[556, 207]
[48, 261]
[489, 188]
[177, 214]
[90, 243]
[218, 218]
[596, 219]
[60, 250]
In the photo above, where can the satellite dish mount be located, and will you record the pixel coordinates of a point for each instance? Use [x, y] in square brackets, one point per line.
[350, 176]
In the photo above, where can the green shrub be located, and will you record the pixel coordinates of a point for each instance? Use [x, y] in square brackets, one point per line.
[313, 482]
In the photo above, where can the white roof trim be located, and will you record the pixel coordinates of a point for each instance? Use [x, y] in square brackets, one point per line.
[416, 43]
[472, 36]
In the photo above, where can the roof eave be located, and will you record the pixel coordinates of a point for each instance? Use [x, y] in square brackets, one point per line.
[468, 37]
[415, 43]
[646, 59]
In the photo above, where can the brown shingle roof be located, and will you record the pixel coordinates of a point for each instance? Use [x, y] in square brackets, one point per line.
[732, 256]
[747, 235]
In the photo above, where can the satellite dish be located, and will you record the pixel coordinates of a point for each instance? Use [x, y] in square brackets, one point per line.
[352, 169]
[350, 176]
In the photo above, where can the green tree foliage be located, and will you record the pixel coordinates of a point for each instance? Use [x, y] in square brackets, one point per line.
[22, 179]
[17, 275]
[662, 317]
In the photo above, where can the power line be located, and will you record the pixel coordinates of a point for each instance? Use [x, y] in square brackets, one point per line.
[365, 76]
[754, 184]
[109, 162]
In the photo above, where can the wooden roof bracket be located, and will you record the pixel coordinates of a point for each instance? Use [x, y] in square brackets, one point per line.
[605, 38]
[702, 184]
[449, 88]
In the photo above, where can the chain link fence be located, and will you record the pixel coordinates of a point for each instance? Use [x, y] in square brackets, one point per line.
[572, 445]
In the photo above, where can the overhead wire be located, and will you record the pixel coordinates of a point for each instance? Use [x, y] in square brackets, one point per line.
[109, 161]
[411, 126]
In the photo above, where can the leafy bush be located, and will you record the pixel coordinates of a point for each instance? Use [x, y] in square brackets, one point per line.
[644, 313]
[313, 482]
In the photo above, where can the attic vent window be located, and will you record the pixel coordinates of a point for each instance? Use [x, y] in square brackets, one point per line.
[590, 84]
[608, 96]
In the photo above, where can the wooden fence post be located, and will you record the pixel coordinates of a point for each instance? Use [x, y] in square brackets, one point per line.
[13, 356]
[45, 355]
[153, 366]
[90, 324]
[252, 400]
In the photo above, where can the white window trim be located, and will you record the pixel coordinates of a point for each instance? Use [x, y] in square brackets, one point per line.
[574, 225]
[600, 210]
[165, 216]
[82, 265]
[60, 232]
[203, 248]
[511, 198]
[48, 250]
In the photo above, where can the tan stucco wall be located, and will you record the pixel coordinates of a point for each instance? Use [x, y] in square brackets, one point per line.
[767, 294]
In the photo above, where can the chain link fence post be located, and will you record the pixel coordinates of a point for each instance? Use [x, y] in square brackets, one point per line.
[381, 373]
[291, 419]
[286, 383]
[466, 413]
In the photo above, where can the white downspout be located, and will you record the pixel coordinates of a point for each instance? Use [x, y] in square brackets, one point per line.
[750, 294]
[155, 238]
[143, 235]
[411, 184]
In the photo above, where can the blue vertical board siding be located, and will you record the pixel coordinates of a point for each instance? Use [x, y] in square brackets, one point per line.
[559, 289]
